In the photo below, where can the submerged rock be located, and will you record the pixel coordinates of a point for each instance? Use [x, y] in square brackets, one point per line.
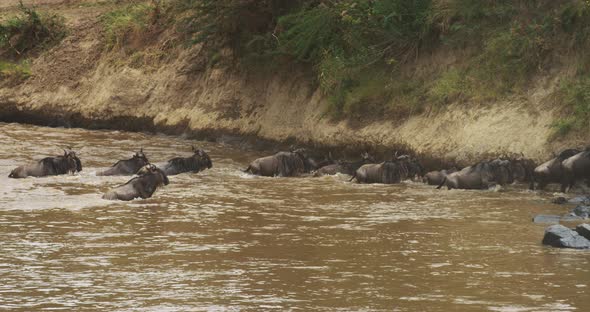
[555, 218]
[560, 236]
[582, 200]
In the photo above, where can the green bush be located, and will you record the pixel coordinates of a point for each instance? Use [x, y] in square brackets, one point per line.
[365, 54]
[28, 31]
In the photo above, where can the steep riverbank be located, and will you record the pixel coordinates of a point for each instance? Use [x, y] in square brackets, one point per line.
[159, 85]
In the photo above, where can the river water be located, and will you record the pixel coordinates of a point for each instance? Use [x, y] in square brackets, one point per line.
[221, 240]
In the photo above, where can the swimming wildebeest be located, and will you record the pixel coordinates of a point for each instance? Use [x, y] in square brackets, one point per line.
[575, 168]
[479, 176]
[49, 166]
[436, 177]
[522, 170]
[344, 167]
[128, 166]
[388, 172]
[311, 164]
[552, 170]
[197, 162]
[284, 164]
[148, 179]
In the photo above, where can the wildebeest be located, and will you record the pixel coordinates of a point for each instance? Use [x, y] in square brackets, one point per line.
[479, 176]
[311, 164]
[284, 164]
[49, 166]
[344, 167]
[144, 185]
[522, 170]
[575, 168]
[552, 171]
[436, 177]
[128, 166]
[388, 172]
[197, 162]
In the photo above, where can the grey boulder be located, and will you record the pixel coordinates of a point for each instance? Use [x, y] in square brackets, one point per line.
[584, 230]
[560, 236]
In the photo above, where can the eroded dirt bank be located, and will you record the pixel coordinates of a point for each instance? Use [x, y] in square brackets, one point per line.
[167, 87]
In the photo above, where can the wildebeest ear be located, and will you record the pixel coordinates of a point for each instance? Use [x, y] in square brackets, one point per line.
[193, 148]
[65, 152]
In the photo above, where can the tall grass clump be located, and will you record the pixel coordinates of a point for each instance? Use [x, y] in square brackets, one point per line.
[575, 96]
[29, 31]
[131, 21]
[14, 72]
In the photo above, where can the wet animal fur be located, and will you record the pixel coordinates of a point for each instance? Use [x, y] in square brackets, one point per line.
[143, 186]
[49, 166]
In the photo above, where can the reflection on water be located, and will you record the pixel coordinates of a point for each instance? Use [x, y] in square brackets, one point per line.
[221, 240]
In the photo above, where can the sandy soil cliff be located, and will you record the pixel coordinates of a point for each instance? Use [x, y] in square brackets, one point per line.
[175, 89]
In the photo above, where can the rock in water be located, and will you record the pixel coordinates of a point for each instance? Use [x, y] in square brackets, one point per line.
[582, 211]
[546, 219]
[584, 230]
[560, 236]
[581, 200]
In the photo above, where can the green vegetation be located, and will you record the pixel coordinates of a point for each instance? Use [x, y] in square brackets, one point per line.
[576, 96]
[14, 72]
[374, 58]
[129, 23]
[29, 31]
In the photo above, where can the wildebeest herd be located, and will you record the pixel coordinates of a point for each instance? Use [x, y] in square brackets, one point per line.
[567, 168]
[148, 176]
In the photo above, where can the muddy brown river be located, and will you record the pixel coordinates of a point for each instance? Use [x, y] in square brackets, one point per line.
[221, 240]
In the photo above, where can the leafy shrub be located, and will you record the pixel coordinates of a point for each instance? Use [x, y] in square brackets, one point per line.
[28, 31]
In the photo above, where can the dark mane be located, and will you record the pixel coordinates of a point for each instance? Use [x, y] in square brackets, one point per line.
[185, 164]
[567, 154]
[289, 163]
[390, 172]
[56, 165]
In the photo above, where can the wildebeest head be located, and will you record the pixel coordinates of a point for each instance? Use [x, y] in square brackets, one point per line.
[368, 158]
[141, 156]
[412, 165]
[202, 157]
[151, 169]
[74, 162]
[500, 170]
